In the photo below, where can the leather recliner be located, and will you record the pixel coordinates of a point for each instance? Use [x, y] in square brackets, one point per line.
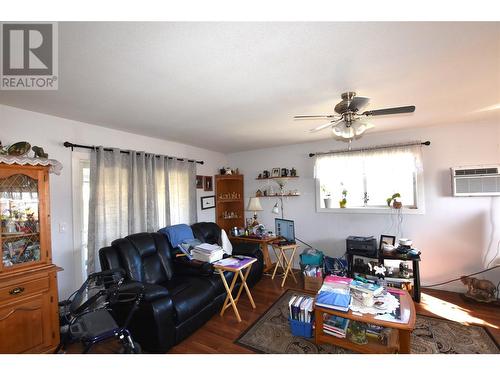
[179, 296]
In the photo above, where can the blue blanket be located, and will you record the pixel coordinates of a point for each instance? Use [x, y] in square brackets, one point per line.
[177, 233]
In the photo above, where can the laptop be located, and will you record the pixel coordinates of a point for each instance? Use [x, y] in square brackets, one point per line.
[286, 229]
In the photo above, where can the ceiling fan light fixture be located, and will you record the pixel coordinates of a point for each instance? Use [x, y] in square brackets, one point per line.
[342, 131]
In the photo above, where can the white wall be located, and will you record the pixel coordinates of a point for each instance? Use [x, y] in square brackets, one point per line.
[454, 233]
[50, 132]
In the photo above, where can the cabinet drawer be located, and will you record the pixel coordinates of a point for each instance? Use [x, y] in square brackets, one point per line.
[15, 290]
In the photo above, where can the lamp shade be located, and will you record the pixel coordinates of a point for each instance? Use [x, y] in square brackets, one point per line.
[254, 204]
[276, 209]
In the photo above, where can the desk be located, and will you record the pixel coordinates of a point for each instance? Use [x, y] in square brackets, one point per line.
[263, 242]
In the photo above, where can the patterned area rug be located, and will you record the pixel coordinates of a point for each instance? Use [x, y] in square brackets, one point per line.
[271, 334]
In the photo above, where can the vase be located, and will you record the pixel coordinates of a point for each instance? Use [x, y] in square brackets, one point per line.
[397, 205]
[328, 202]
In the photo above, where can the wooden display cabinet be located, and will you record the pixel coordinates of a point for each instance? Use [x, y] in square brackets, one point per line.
[29, 319]
[229, 204]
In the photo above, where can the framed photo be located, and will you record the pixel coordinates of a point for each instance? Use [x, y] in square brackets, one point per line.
[199, 182]
[208, 185]
[386, 239]
[207, 202]
[276, 172]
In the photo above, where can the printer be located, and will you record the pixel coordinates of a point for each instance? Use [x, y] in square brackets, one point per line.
[363, 246]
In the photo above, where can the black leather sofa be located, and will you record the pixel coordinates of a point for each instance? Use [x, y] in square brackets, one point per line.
[180, 296]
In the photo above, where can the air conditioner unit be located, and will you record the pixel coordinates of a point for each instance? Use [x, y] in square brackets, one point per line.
[474, 181]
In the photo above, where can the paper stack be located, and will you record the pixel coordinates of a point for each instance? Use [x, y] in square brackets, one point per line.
[207, 253]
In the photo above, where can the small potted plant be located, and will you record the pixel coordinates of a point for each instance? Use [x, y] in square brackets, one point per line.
[327, 197]
[396, 203]
[343, 201]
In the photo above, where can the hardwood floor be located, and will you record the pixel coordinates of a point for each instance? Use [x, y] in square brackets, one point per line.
[219, 333]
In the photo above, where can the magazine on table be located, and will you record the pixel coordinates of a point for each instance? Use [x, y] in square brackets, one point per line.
[234, 262]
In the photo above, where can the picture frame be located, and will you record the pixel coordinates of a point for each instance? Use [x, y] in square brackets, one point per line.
[386, 239]
[276, 172]
[208, 183]
[208, 202]
[199, 182]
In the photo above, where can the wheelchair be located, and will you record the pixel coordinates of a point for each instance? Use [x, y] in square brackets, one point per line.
[86, 317]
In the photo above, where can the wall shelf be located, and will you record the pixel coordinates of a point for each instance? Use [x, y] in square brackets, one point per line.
[279, 195]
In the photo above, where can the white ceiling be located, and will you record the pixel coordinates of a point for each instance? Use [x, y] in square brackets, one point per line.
[235, 86]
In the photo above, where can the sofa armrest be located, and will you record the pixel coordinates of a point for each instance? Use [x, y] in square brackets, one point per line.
[184, 266]
[153, 323]
[247, 249]
[151, 292]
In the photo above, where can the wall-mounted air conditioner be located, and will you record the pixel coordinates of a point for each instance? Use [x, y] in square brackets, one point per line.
[473, 181]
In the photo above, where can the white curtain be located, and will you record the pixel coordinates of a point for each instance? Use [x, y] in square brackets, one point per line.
[136, 192]
[380, 172]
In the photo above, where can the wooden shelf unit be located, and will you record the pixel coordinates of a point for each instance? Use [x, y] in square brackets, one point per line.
[228, 184]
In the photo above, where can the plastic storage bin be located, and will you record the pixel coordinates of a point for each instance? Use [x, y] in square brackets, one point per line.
[315, 259]
[301, 329]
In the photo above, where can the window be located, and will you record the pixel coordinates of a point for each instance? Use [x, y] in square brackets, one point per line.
[368, 178]
[156, 194]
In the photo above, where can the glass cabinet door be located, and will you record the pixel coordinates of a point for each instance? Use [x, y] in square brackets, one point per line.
[20, 220]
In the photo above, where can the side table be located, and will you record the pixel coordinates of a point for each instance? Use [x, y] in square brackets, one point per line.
[236, 266]
[284, 262]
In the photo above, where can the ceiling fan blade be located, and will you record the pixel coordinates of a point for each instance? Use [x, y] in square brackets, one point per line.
[390, 111]
[312, 117]
[357, 103]
[321, 127]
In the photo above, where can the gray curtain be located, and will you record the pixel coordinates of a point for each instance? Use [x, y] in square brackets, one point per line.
[136, 192]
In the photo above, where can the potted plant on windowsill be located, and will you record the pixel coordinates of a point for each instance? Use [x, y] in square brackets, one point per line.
[396, 202]
[327, 197]
[343, 201]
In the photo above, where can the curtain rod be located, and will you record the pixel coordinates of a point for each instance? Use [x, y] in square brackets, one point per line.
[426, 143]
[74, 145]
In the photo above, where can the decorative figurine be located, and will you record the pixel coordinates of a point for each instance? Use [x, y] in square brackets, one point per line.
[479, 289]
[39, 152]
[293, 172]
[3, 150]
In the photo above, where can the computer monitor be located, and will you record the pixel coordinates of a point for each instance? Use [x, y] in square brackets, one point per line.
[285, 228]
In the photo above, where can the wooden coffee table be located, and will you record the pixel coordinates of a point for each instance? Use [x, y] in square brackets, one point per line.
[399, 337]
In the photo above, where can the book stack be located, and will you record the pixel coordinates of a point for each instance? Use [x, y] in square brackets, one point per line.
[335, 293]
[335, 325]
[207, 253]
[360, 287]
[301, 308]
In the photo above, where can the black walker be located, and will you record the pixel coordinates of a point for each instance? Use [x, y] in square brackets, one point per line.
[86, 316]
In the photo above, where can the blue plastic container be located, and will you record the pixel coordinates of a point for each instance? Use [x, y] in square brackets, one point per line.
[301, 329]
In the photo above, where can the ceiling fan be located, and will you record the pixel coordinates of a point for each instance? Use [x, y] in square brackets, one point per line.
[348, 123]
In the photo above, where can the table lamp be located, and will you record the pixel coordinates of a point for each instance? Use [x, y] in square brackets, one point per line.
[254, 205]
